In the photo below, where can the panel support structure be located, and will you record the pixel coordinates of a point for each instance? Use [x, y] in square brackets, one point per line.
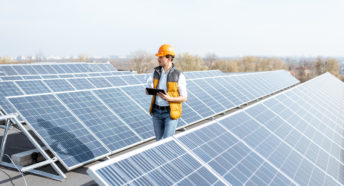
[11, 120]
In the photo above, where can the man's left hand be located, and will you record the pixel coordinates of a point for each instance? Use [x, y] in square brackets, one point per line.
[165, 97]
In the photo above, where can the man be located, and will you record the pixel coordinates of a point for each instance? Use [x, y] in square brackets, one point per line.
[166, 108]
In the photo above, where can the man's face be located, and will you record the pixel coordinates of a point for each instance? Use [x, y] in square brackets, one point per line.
[163, 61]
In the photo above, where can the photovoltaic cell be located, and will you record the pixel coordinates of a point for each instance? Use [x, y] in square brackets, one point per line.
[106, 126]
[11, 78]
[30, 70]
[59, 129]
[20, 70]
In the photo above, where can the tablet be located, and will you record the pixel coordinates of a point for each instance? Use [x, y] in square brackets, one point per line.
[153, 91]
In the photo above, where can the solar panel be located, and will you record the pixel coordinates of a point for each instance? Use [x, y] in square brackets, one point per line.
[58, 69]
[205, 97]
[163, 164]
[137, 118]
[20, 70]
[8, 89]
[283, 140]
[33, 86]
[130, 79]
[99, 82]
[102, 122]
[138, 94]
[189, 115]
[9, 70]
[49, 69]
[80, 83]
[40, 69]
[234, 91]
[200, 107]
[215, 93]
[66, 68]
[30, 70]
[231, 158]
[58, 129]
[116, 81]
[59, 85]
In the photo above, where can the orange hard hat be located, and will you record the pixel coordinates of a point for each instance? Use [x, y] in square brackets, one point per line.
[164, 50]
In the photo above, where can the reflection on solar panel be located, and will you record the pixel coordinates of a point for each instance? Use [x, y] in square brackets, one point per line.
[8, 78]
[106, 126]
[137, 118]
[164, 164]
[33, 87]
[66, 136]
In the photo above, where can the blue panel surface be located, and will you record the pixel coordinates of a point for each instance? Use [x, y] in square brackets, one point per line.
[33, 86]
[116, 81]
[229, 157]
[99, 82]
[20, 69]
[30, 70]
[80, 83]
[205, 97]
[139, 95]
[59, 129]
[102, 122]
[165, 164]
[137, 118]
[59, 85]
[130, 79]
[8, 89]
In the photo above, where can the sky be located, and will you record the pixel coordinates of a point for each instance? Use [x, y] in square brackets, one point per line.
[200, 27]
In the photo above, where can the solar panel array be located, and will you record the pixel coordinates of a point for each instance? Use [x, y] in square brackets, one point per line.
[292, 138]
[54, 68]
[117, 117]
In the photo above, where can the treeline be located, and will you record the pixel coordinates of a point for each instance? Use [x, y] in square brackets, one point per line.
[304, 69]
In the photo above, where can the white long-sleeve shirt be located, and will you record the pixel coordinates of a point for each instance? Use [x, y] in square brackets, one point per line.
[163, 85]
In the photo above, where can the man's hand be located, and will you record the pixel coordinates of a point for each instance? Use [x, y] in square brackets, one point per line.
[165, 97]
